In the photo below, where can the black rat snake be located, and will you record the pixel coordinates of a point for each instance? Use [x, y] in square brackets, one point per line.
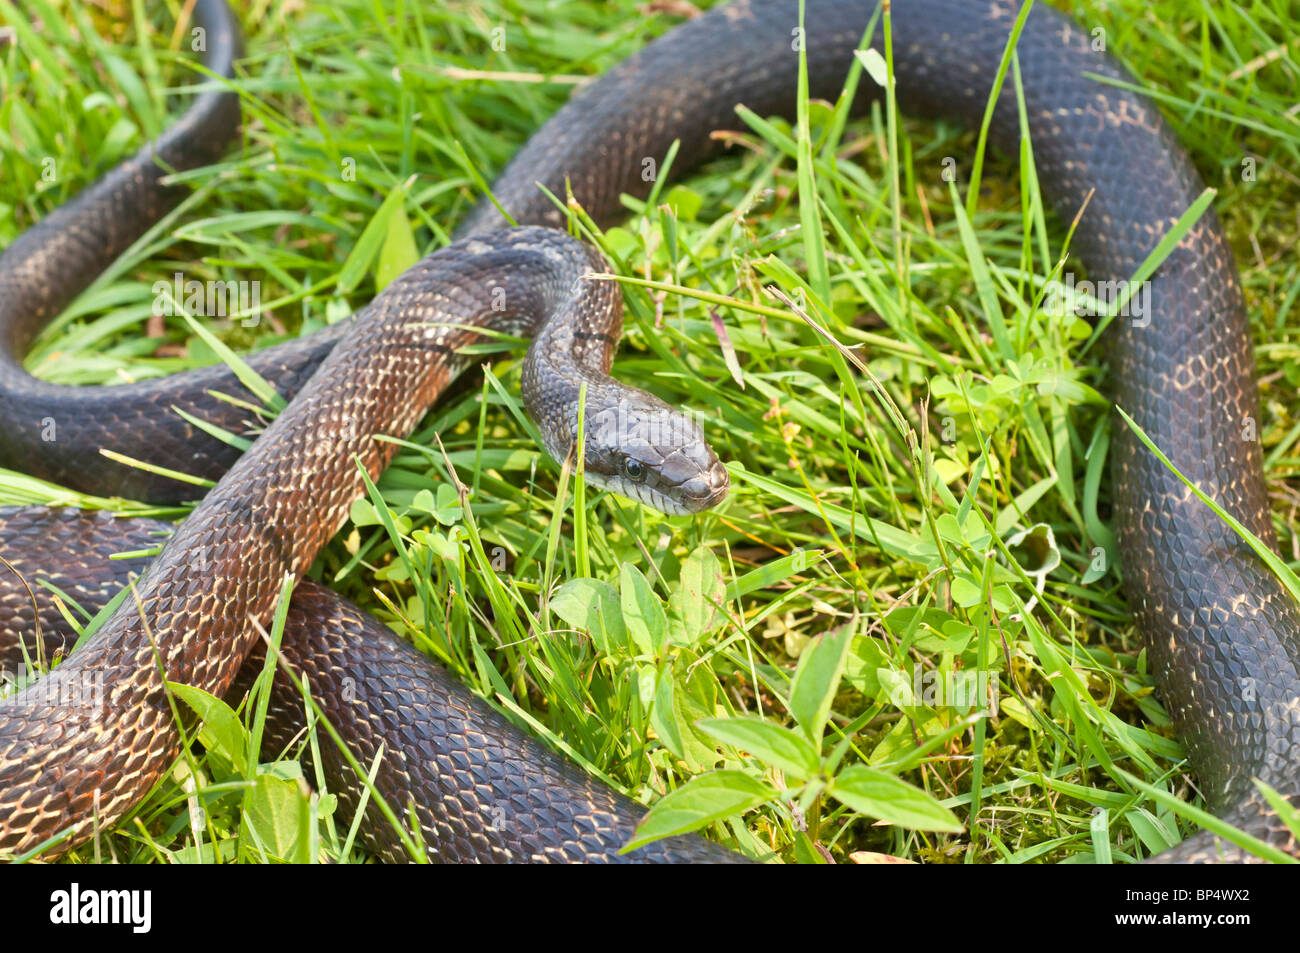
[1223, 636]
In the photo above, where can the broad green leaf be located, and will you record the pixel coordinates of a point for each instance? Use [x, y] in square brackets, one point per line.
[699, 802]
[663, 718]
[771, 744]
[694, 603]
[684, 202]
[965, 591]
[592, 606]
[278, 818]
[860, 669]
[816, 680]
[897, 687]
[222, 733]
[398, 252]
[877, 794]
[449, 510]
[643, 613]
[674, 716]
[363, 513]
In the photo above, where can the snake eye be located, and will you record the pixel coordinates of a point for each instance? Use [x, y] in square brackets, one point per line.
[634, 470]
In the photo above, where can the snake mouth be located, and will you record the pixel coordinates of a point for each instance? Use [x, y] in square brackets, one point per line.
[706, 490]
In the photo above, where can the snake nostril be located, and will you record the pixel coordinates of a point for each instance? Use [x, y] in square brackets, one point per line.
[706, 489]
[719, 478]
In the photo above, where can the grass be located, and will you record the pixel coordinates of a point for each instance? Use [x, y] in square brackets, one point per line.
[883, 382]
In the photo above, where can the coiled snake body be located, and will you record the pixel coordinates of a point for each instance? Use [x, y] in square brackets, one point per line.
[1224, 638]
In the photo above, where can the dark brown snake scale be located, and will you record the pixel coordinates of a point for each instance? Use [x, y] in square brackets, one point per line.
[1223, 637]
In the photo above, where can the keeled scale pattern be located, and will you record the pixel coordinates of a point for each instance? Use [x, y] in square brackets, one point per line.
[483, 791]
[268, 516]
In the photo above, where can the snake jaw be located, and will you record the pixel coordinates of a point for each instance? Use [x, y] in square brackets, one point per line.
[706, 490]
[647, 451]
[665, 500]
[699, 489]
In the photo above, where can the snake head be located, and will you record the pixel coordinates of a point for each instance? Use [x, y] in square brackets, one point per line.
[647, 451]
